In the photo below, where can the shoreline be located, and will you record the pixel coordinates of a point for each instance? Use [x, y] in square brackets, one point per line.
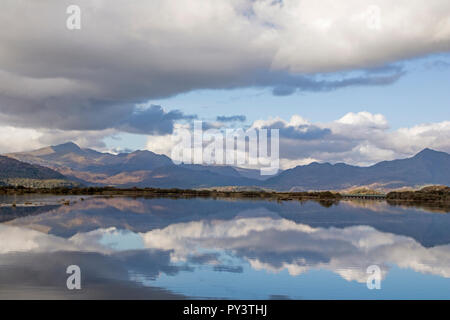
[437, 194]
[172, 192]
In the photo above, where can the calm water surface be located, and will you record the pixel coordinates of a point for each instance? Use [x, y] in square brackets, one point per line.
[204, 248]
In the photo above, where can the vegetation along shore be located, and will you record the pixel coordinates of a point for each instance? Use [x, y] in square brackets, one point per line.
[438, 194]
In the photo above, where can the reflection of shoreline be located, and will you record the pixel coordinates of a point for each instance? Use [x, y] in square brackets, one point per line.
[438, 207]
[386, 205]
[12, 213]
[139, 214]
[372, 205]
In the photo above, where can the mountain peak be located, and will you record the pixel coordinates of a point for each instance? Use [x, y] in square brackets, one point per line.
[66, 147]
[427, 152]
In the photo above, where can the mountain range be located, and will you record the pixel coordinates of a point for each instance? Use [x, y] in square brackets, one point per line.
[140, 168]
[148, 169]
[426, 167]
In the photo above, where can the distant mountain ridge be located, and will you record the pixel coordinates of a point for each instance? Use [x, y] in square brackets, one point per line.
[144, 168]
[140, 168]
[426, 167]
[72, 156]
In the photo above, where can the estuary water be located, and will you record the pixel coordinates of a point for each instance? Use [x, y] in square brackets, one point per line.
[160, 248]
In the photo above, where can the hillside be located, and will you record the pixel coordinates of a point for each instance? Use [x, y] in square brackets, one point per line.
[140, 168]
[17, 173]
[11, 168]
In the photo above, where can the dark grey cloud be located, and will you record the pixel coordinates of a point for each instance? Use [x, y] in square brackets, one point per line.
[153, 120]
[89, 114]
[92, 79]
[438, 64]
[306, 132]
[204, 258]
[225, 268]
[283, 90]
[289, 84]
[301, 132]
[385, 69]
[240, 118]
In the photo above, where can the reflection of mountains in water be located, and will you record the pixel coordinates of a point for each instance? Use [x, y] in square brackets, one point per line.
[142, 215]
[11, 213]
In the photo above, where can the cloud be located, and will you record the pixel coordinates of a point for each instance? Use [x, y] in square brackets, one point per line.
[360, 138]
[66, 113]
[153, 120]
[124, 55]
[297, 128]
[364, 119]
[289, 84]
[26, 139]
[240, 118]
[147, 120]
[276, 244]
[441, 63]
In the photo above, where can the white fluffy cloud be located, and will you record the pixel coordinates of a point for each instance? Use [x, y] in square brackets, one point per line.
[16, 139]
[329, 35]
[359, 138]
[356, 138]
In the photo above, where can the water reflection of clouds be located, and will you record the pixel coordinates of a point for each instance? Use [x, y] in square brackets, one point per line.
[267, 236]
[42, 275]
[18, 239]
[266, 243]
[31, 261]
[278, 244]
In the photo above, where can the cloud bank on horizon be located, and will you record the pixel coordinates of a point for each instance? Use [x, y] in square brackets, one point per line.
[86, 85]
[359, 138]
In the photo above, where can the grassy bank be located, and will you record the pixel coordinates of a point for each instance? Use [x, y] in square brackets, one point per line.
[434, 194]
[178, 193]
[427, 194]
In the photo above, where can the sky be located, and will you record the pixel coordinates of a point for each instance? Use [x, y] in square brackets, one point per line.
[353, 81]
[403, 102]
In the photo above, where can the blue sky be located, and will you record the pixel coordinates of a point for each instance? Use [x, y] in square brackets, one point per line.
[423, 87]
[421, 95]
